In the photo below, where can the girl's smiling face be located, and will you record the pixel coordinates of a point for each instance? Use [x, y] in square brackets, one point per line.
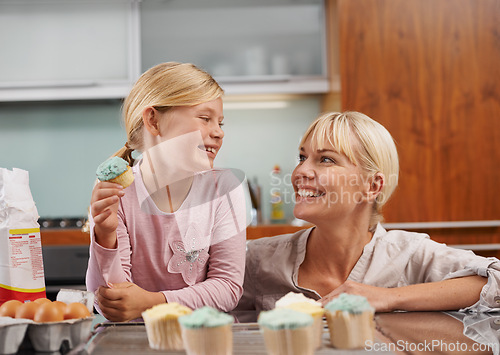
[205, 117]
[327, 184]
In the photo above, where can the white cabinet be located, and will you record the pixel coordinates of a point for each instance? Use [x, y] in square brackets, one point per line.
[96, 49]
[71, 49]
[258, 46]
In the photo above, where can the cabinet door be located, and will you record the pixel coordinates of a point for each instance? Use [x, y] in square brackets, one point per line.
[237, 41]
[59, 45]
[429, 70]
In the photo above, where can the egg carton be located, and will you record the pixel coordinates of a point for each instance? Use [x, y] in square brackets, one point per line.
[43, 337]
[12, 332]
[67, 295]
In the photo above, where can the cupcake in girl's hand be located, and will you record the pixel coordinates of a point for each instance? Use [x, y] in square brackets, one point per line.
[287, 332]
[350, 321]
[162, 326]
[116, 170]
[207, 331]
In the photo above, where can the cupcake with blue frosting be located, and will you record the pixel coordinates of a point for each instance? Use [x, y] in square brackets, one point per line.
[116, 170]
[287, 332]
[350, 321]
[301, 303]
[207, 331]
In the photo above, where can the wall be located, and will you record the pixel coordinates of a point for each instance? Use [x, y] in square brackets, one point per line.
[61, 144]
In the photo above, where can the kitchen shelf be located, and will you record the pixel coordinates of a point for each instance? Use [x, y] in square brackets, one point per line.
[57, 93]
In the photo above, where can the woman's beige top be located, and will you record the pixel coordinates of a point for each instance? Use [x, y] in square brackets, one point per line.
[391, 259]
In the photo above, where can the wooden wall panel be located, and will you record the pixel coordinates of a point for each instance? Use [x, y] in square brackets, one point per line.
[429, 71]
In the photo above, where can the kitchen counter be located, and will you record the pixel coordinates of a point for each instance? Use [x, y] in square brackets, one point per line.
[75, 236]
[483, 241]
[398, 332]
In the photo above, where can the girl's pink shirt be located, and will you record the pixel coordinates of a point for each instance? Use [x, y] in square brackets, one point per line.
[194, 256]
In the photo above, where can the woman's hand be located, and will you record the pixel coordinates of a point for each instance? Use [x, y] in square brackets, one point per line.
[378, 297]
[446, 295]
[125, 301]
[104, 207]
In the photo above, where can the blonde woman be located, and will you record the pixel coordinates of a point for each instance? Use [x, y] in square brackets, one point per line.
[347, 170]
[177, 234]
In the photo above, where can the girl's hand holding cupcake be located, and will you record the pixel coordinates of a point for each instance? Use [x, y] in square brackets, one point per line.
[104, 207]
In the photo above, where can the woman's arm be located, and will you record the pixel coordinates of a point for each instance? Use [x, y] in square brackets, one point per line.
[451, 294]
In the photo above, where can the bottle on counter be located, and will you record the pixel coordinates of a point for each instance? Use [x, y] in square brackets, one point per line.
[255, 197]
[277, 190]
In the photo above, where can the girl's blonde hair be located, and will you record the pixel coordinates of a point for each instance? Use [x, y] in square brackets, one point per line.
[164, 86]
[365, 142]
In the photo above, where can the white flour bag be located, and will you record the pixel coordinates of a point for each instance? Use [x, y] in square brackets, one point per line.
[21, 262]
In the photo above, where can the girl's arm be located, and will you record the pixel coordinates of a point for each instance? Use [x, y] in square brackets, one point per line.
[108, 264]
[446, 295]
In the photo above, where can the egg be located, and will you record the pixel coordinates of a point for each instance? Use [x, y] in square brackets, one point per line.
[27, 310]
[61, 305]
[9, 308]
[76, 310]
[42, 300]
[48, 312]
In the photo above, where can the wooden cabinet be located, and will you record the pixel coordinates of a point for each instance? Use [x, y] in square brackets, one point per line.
[428, 70]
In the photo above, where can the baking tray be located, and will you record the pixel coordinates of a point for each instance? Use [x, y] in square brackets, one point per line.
[131, 338]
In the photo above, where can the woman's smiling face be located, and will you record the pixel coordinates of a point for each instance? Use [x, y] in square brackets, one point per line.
[327, 184]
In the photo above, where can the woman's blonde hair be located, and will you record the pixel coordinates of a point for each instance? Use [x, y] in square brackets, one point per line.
[372, 148]
[164, 86]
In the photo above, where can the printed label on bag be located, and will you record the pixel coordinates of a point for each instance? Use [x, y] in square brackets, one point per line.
[25, 277]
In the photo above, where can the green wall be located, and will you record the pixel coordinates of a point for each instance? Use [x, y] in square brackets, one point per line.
[61, 144]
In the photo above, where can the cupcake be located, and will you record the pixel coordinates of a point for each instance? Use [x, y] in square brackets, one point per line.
[293, 297]
[207, 331]
[350, 321]
[316, 312]
[162, 326]
[116, 170]
[287, 332]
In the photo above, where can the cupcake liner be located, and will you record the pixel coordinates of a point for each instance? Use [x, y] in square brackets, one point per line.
[164, 334]
[208, 341]
[125, 179]
[350, 331]
[298, 341]
[317, 327]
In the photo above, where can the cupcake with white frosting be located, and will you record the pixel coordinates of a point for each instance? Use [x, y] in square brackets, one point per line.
[162, 326]
[295, 297]
[350, 321]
